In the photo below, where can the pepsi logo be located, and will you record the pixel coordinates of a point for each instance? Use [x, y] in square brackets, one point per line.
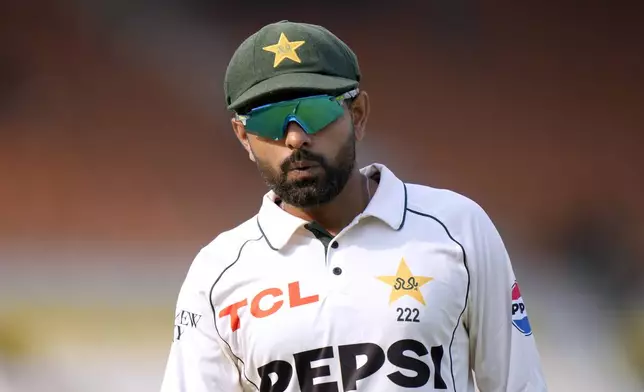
[519, 312]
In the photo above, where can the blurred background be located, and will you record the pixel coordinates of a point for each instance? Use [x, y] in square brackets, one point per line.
[117, 163]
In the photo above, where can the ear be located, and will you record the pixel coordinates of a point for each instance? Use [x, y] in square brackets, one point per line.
[359, 114]
[242, 136]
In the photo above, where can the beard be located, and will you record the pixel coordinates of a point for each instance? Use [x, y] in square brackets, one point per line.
[317, 189]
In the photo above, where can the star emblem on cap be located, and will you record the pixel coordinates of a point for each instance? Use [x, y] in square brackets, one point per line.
[405, 283]
[284, 49]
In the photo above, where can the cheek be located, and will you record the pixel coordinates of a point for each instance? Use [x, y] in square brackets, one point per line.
[338, 131]
[333, 138]
[267, 152]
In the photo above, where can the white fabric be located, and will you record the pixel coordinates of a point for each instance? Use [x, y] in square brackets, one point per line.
[265, 304]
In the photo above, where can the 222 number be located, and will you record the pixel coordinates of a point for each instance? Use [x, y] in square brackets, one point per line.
[405, 314]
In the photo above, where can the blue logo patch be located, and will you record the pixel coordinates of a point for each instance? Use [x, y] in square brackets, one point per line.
[519, 312]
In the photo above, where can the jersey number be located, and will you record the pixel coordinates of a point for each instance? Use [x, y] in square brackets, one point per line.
[407, 313]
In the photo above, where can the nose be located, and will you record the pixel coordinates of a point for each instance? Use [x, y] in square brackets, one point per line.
[296, 138]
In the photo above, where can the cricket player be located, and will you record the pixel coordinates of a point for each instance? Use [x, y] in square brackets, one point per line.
[347, 279]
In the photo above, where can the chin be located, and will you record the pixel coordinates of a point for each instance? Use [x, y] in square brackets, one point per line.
[305, 198]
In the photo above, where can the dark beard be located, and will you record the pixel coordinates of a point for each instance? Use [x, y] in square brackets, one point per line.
[314, 191]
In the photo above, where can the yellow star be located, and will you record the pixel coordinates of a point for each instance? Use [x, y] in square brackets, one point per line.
[284, 49]
[405, 283]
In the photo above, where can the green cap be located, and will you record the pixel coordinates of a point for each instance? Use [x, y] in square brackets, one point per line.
[289, 57]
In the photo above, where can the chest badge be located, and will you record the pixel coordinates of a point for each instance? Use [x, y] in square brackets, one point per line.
[405, 283]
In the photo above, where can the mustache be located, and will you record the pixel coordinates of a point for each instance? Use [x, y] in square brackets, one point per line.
[299, 156]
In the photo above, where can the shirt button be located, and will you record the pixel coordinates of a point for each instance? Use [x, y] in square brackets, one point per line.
[337, 271]
[335, 245]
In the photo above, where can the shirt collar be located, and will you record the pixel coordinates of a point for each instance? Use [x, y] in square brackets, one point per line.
[388, 203]
[277, 225]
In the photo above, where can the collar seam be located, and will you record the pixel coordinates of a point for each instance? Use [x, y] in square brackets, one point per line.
[264, 235]
[404, 212]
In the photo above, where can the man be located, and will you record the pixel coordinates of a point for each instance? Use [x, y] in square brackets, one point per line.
[346, 279]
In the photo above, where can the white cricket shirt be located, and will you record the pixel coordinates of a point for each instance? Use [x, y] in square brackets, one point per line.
[415, 294]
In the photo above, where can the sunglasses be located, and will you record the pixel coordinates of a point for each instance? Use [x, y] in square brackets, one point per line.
[311, 113]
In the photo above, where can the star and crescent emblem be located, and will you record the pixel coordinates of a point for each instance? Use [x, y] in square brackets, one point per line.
[284, 49]
[405, 283]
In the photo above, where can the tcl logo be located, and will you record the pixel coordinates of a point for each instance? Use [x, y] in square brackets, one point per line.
[276, 376]
[294, 299]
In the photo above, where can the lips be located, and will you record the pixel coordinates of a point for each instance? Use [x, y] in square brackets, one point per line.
[303, 165]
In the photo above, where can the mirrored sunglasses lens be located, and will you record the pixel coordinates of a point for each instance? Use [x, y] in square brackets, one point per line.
[318, 113]
[313, 114]
[269, 121]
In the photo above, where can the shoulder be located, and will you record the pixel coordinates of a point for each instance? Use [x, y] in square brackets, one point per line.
[227, 244]
[221, 252]
[464, 220]
[443, 204]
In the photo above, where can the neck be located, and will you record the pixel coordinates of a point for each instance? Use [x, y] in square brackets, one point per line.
[339, 212]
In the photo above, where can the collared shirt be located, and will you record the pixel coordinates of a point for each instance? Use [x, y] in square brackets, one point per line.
[417, 292]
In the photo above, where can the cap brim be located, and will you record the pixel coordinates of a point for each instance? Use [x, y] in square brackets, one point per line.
[309, 82]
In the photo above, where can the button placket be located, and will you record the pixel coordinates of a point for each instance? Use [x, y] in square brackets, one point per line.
[336, 270]
[336, 267]
[332, 244]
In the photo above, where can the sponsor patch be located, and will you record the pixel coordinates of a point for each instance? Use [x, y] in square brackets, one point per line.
[519, 312]
[184, 320]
